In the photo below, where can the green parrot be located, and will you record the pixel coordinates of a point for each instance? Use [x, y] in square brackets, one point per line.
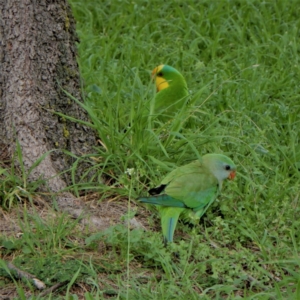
[190, 189]
[172, 92]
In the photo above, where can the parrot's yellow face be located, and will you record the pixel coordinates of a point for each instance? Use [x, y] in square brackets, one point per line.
[160, 82]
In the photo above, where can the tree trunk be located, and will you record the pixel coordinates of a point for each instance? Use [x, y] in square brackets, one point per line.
[38, 62]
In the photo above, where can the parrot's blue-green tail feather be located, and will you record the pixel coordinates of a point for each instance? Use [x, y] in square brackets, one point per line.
[170, 230]
[169, 218]
[163, 200]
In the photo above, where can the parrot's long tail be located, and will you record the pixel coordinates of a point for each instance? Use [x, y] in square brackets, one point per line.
[169, 218]
[163, 200]
[171, 225]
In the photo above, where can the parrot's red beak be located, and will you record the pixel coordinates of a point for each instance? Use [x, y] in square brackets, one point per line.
[232, 175]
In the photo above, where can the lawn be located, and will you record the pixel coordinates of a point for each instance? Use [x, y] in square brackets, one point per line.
[241, 63]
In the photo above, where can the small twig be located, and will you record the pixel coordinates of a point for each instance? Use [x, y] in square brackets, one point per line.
[52, 288]
[22, 274]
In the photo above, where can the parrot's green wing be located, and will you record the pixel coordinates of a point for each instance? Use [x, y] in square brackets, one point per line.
[169, 101]
[192, 184]
[172, 92]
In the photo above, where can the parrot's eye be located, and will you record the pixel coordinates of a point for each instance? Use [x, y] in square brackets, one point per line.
[227, 168]
[159, 74]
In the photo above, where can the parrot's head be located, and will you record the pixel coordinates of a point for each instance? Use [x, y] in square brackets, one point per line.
[166, 76]
[221, 166]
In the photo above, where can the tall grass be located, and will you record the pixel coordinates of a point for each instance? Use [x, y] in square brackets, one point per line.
[241, 62]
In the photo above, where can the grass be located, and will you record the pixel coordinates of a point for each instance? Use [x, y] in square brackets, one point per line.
[241, 62]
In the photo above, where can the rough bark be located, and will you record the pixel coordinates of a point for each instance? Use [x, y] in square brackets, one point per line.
[38, 62]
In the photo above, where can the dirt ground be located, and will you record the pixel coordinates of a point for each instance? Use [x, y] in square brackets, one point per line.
[109, 211]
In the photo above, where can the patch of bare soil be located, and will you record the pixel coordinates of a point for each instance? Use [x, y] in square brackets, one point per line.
[108, 211]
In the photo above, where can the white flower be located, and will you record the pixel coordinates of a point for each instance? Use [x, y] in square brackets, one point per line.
[129, 171]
